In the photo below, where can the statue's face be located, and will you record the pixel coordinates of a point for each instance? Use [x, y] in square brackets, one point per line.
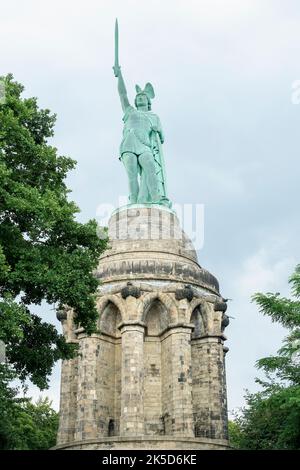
[141, 101]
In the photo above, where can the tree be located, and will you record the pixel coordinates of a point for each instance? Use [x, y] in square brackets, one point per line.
[234, 432]
[269, 421]
[24, 425]
[45, 254]
[271, 418]
[285, 367]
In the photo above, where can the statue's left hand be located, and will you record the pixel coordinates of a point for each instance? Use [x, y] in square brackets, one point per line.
[156, 129]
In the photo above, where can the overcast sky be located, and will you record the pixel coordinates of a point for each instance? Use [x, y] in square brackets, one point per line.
[223, 72]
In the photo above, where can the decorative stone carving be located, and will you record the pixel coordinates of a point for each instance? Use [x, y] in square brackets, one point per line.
[225, 322]
[61, 314]
[220, 306]
[185, 293]
[130, 290]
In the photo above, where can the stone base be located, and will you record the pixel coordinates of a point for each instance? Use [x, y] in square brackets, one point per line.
[146, 443]
[153, 376]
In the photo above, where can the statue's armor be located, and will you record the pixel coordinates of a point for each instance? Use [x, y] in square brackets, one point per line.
[138, 126]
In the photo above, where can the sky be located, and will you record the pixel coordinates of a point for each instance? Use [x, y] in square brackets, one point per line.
[226, 77]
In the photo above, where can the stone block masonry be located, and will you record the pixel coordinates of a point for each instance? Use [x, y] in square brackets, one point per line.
[153, 376]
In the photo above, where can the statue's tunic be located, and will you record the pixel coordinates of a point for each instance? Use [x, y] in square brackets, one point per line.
[138, 126]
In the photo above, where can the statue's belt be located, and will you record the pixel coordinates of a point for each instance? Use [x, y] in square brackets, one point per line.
[133, 131]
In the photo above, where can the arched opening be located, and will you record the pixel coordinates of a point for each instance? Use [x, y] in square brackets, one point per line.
[111, 427]
[110, 318]
[197, 320]
[109, 364]
[156, 318]
[198, 377]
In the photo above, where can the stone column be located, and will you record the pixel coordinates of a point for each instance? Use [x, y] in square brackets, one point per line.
[69, 382]
[182, 410]
[68, 396]
[88, 425]
[209, 387]
[224, 401]
[132, 400]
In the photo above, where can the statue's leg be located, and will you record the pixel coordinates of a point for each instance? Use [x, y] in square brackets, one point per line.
[131, 164]
[146, 160]
[143, 196]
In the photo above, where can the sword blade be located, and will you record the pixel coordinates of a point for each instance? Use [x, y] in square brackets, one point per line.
[116, 44]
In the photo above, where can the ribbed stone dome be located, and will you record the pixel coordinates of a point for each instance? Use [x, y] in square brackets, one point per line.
[147, 243]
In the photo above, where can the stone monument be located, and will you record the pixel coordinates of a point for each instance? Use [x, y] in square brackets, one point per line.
[153, 376]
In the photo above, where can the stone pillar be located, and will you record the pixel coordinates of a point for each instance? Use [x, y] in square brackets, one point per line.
[68, 397]
[69, 382]
[209, 387]
[224, 401]
[182, 409]
[88, 425]
[132, 400]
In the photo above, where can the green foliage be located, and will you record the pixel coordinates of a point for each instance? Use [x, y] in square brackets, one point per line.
[269, 421]
[45, 254]
[33, 353]
[285, 366]
[271, 418]
[24, 425]
[234, 432]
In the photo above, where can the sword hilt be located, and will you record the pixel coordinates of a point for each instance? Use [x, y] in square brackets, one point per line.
[117, 70]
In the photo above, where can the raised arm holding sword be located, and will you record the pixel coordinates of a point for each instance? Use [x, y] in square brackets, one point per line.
[140, 149]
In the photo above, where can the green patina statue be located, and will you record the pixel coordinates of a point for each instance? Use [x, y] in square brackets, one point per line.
[141, 149]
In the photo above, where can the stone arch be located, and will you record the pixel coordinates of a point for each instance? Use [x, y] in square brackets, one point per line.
[156, 318]
[108, 365]
[166, 300]
[110, 315]
[196, 302]
[119, 303]
[198, 322]
[200, 315]
[157, 311]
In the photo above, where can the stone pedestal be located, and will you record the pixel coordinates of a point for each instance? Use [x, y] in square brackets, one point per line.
[154, 375]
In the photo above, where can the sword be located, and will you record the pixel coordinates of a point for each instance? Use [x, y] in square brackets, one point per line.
[116, 67]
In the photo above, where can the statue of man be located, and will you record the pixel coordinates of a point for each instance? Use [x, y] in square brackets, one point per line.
[140, 149]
